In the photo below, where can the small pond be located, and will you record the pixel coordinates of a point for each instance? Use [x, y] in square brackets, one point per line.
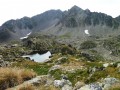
[39, 57]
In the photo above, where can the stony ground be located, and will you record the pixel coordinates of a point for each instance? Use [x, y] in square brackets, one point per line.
[67, 69]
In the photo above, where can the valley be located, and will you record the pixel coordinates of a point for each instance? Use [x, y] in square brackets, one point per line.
[81, 51]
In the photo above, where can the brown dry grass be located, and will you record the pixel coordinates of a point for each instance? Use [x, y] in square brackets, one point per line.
[27, 87]
[51, 87]
[10, 77]
[40, 87]
[115, 87]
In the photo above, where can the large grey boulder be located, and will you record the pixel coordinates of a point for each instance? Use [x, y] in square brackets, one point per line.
[63, 84]
[67, 87]
[105, 65]
[107, 82]
[91, 87]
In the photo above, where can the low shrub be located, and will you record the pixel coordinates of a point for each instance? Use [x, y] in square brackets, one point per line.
[88, 45]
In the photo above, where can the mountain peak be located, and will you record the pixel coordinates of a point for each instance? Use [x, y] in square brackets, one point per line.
[76, 8]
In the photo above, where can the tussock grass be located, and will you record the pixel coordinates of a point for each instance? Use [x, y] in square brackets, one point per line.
[115, 87]
[10, 77]
[40, 87]
[27, 87]
[51, 87]
[39, 68]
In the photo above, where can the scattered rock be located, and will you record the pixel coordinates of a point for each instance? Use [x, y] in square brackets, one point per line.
[55, 67]
[64, 84]
[4, 63]
[106, 65]
[35, 81]
[14, 45]
[78, 85]
[91, 87]
[58, 83]
[67, 87]
[118, 65]
[107, 82]
[61, 60]
[1, 56]
[110, 80]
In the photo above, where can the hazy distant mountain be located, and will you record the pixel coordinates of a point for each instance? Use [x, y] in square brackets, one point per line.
[72, 23]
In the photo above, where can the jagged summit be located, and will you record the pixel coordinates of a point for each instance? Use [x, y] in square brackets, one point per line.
[76, 8]
[59, 23]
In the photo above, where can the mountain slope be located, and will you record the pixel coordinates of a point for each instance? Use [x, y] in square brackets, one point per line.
[71, 23]
[21, 27]
[78, 20]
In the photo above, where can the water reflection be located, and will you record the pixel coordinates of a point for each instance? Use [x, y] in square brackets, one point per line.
[39, 57]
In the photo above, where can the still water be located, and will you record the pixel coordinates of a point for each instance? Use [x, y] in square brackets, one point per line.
[39, 57]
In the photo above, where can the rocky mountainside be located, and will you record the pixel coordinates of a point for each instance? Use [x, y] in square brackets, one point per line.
[84, 48]
[14, 29]
[76, 20]
[71, 23]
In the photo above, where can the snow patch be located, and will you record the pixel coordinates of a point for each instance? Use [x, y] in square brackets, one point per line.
[26, 36]
[87, 32]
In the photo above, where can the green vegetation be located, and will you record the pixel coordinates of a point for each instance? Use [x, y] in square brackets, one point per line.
[88, 45]
[56, 73]
[113, 44]
[67, 50]
[98, 75]
[115, 87]
[78, 75]
[40, 69]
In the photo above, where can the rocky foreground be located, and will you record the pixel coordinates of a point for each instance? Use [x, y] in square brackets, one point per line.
[67, 69]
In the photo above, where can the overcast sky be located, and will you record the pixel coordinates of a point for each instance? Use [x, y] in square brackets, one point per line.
[14, 9]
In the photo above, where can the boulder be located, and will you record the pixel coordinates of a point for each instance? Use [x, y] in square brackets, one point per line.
[58, 83]
[64, 84]
[4, 63]
[78, 85]
[1, 56]
[106, 65]
[107, 82]
[67, 87]
[64, 77]
[110, 80]
[118, 65]
[91, 87]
